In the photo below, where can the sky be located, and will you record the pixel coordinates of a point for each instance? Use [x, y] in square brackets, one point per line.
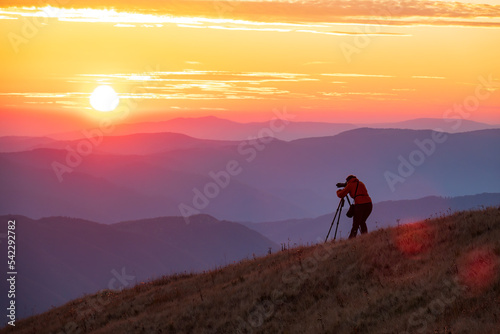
[366, 61]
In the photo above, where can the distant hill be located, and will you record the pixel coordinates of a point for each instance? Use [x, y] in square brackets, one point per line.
[133, 144]
[273, 180]
[34, 190]
[61, 258]
[215, 128]
[385, 214]
[436, 276]
[112, 188]
[23, 143]
[444, 124]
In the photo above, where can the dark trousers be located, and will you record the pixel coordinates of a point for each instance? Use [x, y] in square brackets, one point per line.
[361, 213]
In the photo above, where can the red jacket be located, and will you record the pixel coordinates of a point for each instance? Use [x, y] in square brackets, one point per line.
[361, 195]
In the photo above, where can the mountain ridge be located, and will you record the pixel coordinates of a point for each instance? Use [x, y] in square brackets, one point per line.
[60, 258]
[273, 180]
[212, 127]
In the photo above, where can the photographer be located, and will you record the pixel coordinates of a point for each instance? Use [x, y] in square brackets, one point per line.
[363, 203]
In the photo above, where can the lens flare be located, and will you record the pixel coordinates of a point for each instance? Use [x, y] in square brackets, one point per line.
[414, 239]
[478, 269]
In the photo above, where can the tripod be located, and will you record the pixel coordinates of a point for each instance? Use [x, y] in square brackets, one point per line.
[337, 216]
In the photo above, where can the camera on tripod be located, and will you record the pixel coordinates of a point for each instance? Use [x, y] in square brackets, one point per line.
[341, 184]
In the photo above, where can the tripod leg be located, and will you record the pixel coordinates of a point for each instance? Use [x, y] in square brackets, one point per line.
[333, 221]
[341, 204]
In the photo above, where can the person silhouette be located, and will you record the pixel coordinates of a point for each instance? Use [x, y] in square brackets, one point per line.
[362, 203]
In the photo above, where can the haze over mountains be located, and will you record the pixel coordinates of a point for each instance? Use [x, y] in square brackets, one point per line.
[212, 127]
[281, 187]
[162, 174]
[215, 128]
[294, 232]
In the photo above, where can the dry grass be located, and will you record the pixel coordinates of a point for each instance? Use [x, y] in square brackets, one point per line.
[435, 276]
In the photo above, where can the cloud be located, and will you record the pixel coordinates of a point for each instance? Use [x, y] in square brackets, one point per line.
[357, 75]
[304, 12]
[205, 85]
[360, 95]
[427, 77]
[180, 85]
[123, 19]
[211, 85]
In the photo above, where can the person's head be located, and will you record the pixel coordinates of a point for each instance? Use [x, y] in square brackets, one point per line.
[350, 177]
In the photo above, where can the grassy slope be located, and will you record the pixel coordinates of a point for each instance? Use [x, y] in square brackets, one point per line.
[436, 276]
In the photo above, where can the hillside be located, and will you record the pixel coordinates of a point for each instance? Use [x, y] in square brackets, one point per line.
[434, 276]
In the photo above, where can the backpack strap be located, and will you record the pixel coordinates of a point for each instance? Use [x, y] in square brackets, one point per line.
[355, 192]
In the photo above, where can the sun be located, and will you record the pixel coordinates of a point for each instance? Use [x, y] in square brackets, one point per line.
[104, 98]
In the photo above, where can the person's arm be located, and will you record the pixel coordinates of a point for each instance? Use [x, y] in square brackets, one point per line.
[341, 193]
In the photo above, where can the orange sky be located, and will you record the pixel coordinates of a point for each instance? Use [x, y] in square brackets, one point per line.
[335, 61]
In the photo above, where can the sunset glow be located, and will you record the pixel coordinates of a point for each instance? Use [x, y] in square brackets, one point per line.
[333, 61]
[266, 166]
[104, 98]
